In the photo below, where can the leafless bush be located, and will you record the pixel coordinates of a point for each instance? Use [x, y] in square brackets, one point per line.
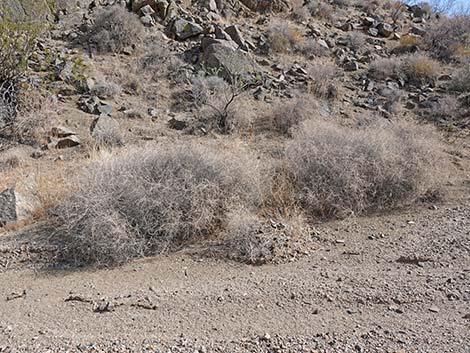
[34, 109]
[420, 69]
[311, 47]
[283, 37]
[284, 116]
[417, 69]
[107, 133]
[339, 171]
[300, 12]
[384, 68]
[322, 83]
[461, 79]
[448, 38]
[244, 240]
[114, 29]
[321, 9]
[217, 100]
[446, 109]
[357, 40]
[104, 88]
[147, 201]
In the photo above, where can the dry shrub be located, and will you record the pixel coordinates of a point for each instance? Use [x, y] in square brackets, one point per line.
[417, 69]
[284, 116]
[300, 12]
[339, 171]
[35, 111]
[311, 47]
[158, 62]
[448, 37]
[446, 109]
[147, 201]
[322, 84]
[357, 41]
[245, 241]
[420, 69]
[321, 9]
[461, 79]
[410, 39]
[283, 37]
[115, 29]
[384, 68]
[104, 88]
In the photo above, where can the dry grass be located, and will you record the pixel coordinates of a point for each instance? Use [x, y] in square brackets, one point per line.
[283, 37]
[115, 29]
[420, 69]
[322, 84]
[36, 110]
[461, 79]
[384, 68]
[148, 201]
[285, 115]
[339, 171]
[417, 69]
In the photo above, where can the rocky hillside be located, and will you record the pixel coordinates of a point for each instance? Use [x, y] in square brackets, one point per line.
[384, 81]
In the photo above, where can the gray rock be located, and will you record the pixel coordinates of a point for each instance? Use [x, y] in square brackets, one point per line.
[60, 131]
[8, 206]
[221, 34]
[147, 21]
[419, 11]
[418, 30]
[183, 29]
[236, 36]
[231, 62]
[177, 124]
[19, 202]
[385, 29]
[374, 32]
[147, 10]
[65, 142]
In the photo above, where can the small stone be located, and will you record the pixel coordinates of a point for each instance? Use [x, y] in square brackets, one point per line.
[434, 309]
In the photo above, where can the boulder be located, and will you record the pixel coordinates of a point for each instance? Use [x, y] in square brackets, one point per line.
[19, 201]
[236, 36]
[420, 11]
[8, 206]
[385, 29]
[182, 29]
[229, 61]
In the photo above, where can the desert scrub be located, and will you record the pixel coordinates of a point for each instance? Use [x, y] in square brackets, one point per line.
[283, 37]
[420, 69]
[461, 79]
[449, 38]
[417, 69]
[115, 29]
[17, 43]
[144, 202]
[338, 171]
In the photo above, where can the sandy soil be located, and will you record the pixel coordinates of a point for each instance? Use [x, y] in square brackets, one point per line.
[397, 283]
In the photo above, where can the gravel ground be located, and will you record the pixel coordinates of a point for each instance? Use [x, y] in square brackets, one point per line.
[397, 283]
